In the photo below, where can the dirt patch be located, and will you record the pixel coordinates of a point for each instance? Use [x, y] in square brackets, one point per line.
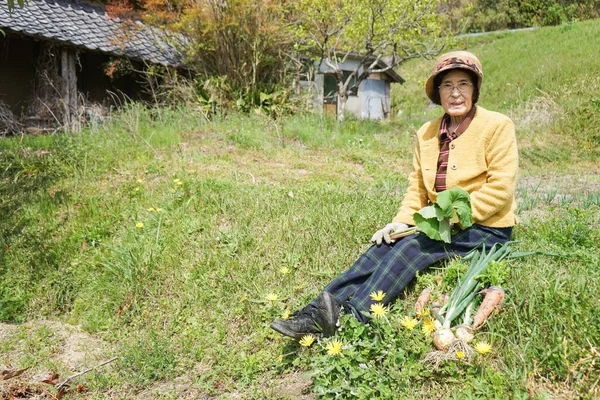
[47, 348]
[562, 184]
[537, 194]
[295, 386]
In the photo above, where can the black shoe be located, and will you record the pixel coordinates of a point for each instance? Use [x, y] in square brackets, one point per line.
[326, 314]
[297, 327]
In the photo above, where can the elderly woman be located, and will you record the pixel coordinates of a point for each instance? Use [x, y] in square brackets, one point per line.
[468, 147]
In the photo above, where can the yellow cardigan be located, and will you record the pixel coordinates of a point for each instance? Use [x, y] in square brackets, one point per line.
[483, 160]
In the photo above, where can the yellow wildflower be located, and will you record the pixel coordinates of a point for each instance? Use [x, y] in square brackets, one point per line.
[284, 270]
[139, 225]
[137, 189]
[377, 296]
[158, 209]
[244, 298]
[151, 209]
[139, 181]
[423, 313]
[408, 322]
[334, 347]
[286, 314]
[307, 340]
[173, 190]
[483, 347]
[428, 326]
[460, 354]
[378, 310]
[272, 297]
[280, 358]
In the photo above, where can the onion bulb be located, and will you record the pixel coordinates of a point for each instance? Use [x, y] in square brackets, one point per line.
[442, 338]
[464, 333]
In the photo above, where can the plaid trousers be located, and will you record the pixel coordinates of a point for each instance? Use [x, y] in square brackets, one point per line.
[391, 267]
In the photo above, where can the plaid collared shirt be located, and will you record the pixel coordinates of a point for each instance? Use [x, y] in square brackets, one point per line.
[445, 146]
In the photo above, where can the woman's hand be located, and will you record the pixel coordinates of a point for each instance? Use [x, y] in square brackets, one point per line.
[384, 234]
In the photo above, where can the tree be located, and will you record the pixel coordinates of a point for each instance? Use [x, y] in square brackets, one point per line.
[11, 4]
[382, 34]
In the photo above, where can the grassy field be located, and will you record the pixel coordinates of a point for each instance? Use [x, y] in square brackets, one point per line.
[172, 242]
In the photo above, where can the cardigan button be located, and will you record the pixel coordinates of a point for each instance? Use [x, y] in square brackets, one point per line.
[453, 166]
[452, 145]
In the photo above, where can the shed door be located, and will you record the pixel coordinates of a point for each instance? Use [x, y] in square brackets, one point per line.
[373, 94]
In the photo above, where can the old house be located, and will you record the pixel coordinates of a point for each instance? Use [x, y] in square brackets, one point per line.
[370, 101]
[56, 55]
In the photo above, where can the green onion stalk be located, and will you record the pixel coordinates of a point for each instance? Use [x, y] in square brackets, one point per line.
[463, 295]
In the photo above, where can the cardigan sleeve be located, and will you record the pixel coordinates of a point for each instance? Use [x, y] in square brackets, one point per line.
[502, 160]
[415, 197]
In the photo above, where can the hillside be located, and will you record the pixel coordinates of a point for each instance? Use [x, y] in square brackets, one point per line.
[171, 242]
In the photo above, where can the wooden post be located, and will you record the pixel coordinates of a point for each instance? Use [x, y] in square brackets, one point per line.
[64, 74]
[69, 88]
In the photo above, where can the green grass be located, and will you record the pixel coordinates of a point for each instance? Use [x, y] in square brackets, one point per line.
[183, 298]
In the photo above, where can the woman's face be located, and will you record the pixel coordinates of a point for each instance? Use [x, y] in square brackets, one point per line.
[456, 93]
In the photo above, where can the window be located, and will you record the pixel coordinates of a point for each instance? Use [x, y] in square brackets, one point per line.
[330, 86]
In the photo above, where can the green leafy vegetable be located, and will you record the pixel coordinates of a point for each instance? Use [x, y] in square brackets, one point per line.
[496, 274]
[451, 206]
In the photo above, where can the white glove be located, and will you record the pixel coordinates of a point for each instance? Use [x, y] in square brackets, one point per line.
[384, 234]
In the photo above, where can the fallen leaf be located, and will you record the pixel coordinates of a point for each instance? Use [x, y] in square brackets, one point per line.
[61, 392]
[11, 373]
[50, 378]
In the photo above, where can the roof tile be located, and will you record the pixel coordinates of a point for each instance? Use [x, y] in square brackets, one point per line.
[88, 26]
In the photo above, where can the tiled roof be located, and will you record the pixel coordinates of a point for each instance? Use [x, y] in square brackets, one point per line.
[89, 26]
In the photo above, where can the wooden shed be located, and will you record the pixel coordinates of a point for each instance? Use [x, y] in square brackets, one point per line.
[370, 101]
[58, 54]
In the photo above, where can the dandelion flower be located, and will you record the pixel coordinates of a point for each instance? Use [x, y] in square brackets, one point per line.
[158, 209]
[483, 347]
[408, 322]
[460, 354]
[284, 270]
[176, 180]
[139, 181]
[139, 225]
[334, 347]
[428, 326]
[272, 297]
[378, 310]
[244, 298]
[423, 313]
[377, 296]
[151, 209]
[286, 314]
[179, 183]
[307, 340]
[280, 358]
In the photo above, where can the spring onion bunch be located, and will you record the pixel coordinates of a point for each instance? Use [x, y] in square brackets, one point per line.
[461, 300]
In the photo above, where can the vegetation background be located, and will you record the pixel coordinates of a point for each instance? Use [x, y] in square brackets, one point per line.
[170, 237]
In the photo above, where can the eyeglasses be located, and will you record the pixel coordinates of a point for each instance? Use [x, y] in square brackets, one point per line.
[462, 87]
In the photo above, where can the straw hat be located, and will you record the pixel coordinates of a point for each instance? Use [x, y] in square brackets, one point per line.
[454, 59]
